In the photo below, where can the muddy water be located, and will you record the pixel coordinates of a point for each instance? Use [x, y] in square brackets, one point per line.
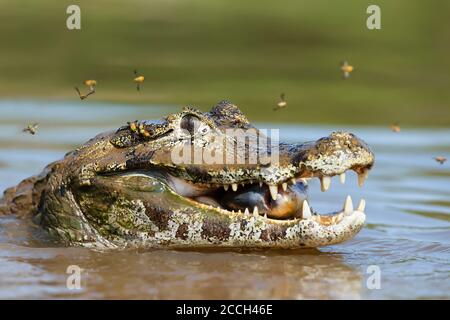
[407, 236]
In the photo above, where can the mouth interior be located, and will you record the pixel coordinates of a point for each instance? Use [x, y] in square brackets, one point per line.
[286, 201]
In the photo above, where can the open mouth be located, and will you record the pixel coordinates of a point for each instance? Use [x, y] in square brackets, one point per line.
[284, 202]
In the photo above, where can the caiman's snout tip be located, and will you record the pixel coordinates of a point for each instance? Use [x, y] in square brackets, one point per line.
[354, 151]
[337, 153]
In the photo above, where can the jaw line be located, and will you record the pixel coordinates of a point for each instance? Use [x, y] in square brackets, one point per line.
[319, 235]
[308, 232]
[324, 220]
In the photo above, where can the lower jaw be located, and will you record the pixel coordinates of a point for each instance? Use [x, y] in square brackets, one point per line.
[328, 219]
[305, 212]
[248, 229]
[315, 231]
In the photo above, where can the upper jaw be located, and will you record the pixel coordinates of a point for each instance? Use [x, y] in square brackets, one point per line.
[324, 158]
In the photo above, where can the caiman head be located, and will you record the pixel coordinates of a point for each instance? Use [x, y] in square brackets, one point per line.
[199, 179]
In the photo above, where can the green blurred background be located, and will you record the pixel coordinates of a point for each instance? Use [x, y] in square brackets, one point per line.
[197, 52]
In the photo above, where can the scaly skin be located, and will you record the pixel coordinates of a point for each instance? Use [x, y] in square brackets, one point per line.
[124, 188]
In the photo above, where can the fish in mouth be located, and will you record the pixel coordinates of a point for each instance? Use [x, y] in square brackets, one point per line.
[282, 202]
[128, 188]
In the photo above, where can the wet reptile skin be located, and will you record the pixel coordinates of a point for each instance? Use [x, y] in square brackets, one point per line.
[112, 192]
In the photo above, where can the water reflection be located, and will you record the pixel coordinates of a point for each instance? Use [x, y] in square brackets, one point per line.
[164, 274]
[32, 266]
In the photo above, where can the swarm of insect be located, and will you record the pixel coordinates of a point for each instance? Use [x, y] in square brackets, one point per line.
[31, 128]
[440, 159]
[346, 69]
[89, 83]
[139, 79]
[282, 103]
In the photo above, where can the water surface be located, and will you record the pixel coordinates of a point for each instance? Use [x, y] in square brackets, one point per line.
[407, 234]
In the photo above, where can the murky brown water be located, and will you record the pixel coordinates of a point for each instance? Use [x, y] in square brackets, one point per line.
[407, 233]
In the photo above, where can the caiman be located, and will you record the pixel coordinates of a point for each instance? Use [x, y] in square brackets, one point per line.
[186, 182]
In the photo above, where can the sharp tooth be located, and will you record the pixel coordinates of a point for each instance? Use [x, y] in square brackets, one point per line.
[255, 211]
[260, 184]
[239, 211]
[362, 205]
[246, 211]
[242, 184]
[342, 177]
[325, 182]
[293, 181]
[284, 185]
[273, 191]
[306, 211]
[234, 186]
[265, 215]
[304, 181]
[348, 205]
[362, 177]
[226, 187]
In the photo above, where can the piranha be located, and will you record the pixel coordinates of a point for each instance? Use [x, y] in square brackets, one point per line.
[128, 187]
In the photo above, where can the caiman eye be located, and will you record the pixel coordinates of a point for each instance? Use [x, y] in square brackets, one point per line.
[188, 123]
[193, 125]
